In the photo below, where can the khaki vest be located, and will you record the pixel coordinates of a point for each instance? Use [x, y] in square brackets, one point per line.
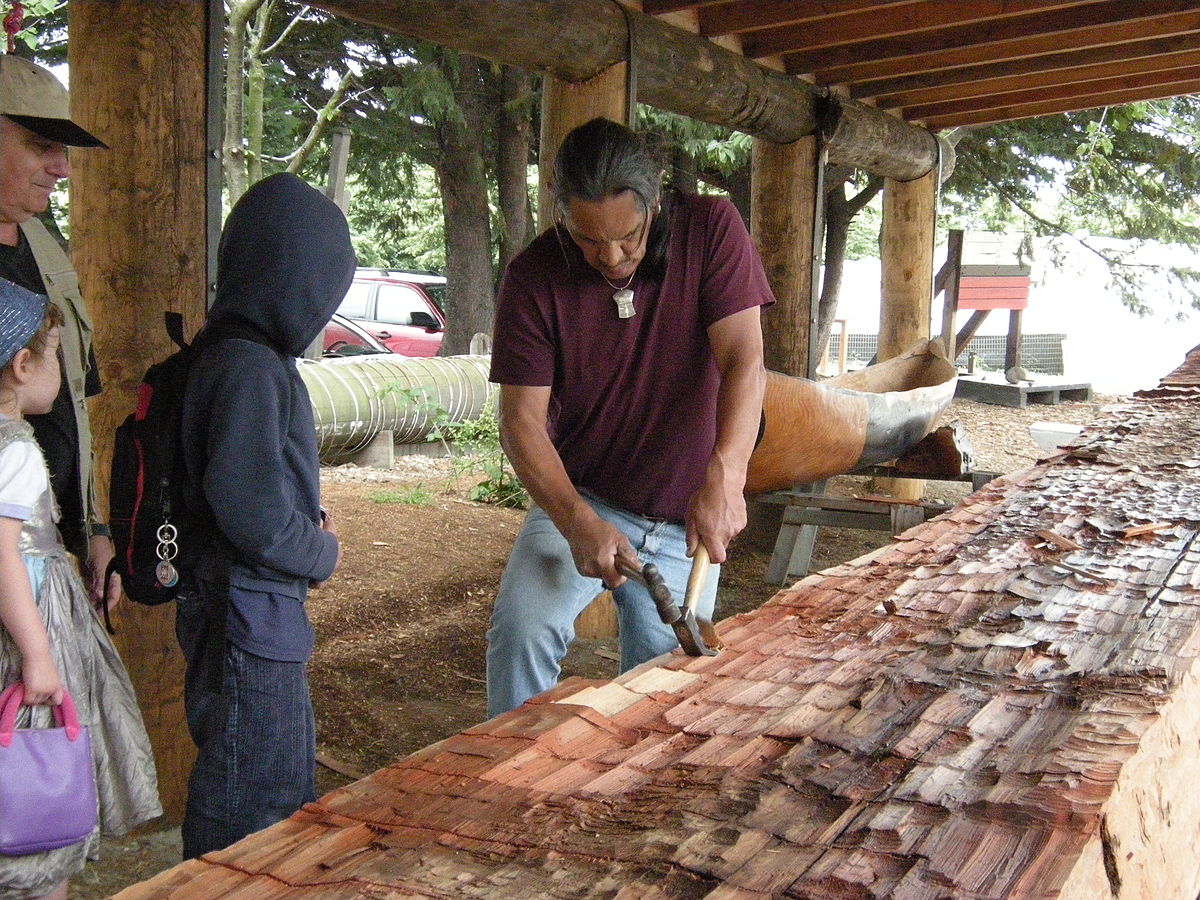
[62, 285]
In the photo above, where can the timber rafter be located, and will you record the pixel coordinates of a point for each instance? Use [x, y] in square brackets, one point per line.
[971, 62]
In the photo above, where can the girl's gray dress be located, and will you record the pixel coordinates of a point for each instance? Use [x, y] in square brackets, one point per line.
[126, 784]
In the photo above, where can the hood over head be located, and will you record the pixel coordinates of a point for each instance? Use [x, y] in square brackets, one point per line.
[284, 264]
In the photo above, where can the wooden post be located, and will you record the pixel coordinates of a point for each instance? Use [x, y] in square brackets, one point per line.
[948, 279]
[566, 105]
[1012, 341]
[909, 208]
[138, 240]
[783, 199]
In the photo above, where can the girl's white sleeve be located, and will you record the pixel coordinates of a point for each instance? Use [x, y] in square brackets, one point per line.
[23, 479]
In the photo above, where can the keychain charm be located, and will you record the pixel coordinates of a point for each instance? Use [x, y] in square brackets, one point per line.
[165, 571]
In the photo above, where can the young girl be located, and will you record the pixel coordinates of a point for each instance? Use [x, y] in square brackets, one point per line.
[51, 638]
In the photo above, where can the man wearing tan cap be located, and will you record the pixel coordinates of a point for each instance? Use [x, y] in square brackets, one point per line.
[35, 131]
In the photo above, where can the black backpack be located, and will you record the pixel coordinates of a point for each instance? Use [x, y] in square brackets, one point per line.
[153, 533]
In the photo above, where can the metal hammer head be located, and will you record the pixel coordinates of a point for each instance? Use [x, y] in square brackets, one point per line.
[690, 639]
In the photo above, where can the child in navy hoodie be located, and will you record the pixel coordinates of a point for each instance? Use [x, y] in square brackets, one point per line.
[284, 264]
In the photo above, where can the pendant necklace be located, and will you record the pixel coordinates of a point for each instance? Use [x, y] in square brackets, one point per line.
[623, 297]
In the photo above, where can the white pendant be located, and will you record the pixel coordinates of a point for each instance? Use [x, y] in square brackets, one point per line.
[624, 301]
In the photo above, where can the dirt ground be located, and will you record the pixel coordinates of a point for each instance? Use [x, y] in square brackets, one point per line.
[400, 629]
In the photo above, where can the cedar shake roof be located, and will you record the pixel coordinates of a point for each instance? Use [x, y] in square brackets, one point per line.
[1000, 704]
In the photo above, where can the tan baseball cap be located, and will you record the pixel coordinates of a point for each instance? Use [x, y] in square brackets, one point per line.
[33, 97]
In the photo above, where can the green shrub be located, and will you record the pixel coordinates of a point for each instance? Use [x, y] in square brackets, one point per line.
[477, 445]
[474, 448]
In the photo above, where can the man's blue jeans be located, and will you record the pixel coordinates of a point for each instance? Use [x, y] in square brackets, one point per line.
[255, 740]
[542, 592]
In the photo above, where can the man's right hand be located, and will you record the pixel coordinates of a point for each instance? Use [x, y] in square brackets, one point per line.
[597, 545]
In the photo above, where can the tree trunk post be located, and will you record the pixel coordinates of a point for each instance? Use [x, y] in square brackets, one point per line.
[513, 145]
[138, 236]
[782, 207]
[909, 211]
[566, 105]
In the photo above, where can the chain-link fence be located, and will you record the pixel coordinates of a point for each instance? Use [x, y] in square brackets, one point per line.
[1040, 353]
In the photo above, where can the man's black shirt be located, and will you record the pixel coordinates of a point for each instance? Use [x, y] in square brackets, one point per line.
[55, 431]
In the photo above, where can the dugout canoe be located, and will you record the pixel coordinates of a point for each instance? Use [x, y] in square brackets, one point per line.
[814, 430]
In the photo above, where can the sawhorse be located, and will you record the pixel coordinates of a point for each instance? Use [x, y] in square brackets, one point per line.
[806, 507]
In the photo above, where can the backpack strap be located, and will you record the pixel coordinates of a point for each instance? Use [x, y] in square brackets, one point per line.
[174, 324]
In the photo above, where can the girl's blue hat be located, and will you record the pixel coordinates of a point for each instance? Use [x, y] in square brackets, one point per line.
[21, 315]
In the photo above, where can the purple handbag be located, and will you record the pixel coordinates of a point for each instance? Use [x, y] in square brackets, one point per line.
[47, 780]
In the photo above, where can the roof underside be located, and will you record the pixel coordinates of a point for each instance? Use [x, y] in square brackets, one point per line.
[949, 63]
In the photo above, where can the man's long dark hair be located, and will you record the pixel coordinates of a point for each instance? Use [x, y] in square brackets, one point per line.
[602, 158]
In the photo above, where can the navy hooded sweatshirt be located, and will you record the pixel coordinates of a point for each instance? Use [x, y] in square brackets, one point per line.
[284, 264]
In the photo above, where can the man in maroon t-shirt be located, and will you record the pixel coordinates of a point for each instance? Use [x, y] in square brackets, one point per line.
[628, 349]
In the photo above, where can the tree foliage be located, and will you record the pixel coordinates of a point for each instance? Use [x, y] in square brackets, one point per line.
[1126, 172]
[419, 116]
[40, 24]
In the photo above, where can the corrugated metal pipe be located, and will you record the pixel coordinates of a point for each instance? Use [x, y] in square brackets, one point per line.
[355, 398]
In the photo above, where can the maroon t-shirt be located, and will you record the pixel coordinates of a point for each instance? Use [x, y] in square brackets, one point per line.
[633, 401]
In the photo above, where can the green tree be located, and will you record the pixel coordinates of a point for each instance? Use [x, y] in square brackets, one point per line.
[413, 109]
[1126, 172]
[34, 21]
[1129, 172]
[700, 155]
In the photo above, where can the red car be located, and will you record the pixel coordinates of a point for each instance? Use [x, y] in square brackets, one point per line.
[397, 312]
[346, 338]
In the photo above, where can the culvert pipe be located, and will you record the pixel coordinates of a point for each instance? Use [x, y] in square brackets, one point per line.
[355, 398]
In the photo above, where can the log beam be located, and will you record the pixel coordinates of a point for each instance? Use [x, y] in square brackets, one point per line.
[575, 40]
[138, 242]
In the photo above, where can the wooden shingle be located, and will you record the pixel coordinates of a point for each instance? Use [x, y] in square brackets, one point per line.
[976, 711]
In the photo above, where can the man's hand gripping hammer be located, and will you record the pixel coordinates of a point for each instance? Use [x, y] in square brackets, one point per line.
[681, 618]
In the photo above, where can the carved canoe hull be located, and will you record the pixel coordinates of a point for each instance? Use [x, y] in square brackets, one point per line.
[815, 430]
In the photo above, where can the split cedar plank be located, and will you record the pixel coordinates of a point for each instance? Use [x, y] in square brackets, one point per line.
[607, 700]
[975, 743]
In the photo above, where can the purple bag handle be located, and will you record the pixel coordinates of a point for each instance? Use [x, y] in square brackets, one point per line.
[13, 699]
